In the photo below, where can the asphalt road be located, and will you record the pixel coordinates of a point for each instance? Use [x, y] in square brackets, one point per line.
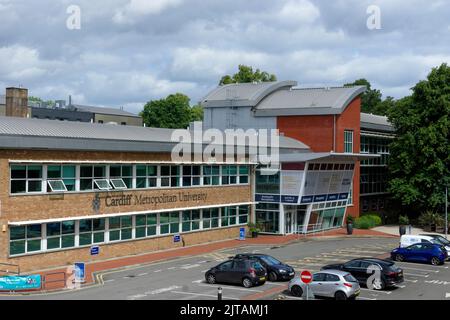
[183, 278]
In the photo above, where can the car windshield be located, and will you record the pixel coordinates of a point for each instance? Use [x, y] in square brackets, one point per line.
[437, 241]
[442, 240]
[350, 278]
[270, 260]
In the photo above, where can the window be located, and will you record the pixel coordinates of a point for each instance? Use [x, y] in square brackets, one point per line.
[243, 214]
[91, 231]
[146, 225]
[66, 173]
[124, 172]
[243, 174]
[229, 174]
[190, 220]
[332, 278]
[229, 216]
[120, 228]
[25, 239]
[60, 235]
[102, 184]
[118, 184]
[317, 277]
[267, 182]
[348, 141]
[191, 175]
[169, 222]
[170, 176]
[57, 185]
[211, 175]
[146, 176]
[26, 178]
[210, 218]
[87, 175]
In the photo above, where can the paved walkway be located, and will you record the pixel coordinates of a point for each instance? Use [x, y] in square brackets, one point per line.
[393, 229]
[56, 276]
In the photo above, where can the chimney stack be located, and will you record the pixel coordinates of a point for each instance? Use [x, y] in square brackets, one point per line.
[16, 102]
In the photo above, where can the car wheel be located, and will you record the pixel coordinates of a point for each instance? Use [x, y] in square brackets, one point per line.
[340, 295]
[378, 284]
[273, 276]
[435, 261]
[297, 291]
[246, 282]
[211, 279]
[399, 258]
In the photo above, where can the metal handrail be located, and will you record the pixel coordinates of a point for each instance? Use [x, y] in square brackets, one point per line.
[10, 265]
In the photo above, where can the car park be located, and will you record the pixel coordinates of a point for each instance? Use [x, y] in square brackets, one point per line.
[247, 272]
[363, 269]
[435, 254]
[340, 285]
[276, 269]
[407, 240]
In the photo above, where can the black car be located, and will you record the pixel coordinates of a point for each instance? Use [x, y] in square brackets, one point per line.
[276, 269]
[363, 269]
[248, 272]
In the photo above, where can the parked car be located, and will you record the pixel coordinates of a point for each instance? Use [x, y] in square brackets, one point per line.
[438, 237]
[421, 252]
[363, 269]
[407, 240]
[247, 272]
[336, 284]
[276, 269]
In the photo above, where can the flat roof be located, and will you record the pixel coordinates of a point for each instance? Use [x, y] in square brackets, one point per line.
[375, 122]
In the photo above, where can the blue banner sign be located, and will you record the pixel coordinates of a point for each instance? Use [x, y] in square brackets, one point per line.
[289, 199]
[332, 197]
[267, 198]
[80, 271]
[320, 198]
[14, 283]
[176, 238]
[307, 199]
[343, 196]
[241, 233]
[95, 250]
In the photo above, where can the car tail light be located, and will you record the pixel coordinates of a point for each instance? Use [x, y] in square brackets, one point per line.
[391, 273]
[252, 272]
[348, 285]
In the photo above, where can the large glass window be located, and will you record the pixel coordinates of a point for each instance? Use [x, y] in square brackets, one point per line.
[243, 174]
[25, 239]
[120, 228]
[190, 220]
[191, 175]
[170, 176]
[92, 231]
[211, 175]
[229, 174]
[146, 176]
[243, 214]
[60, 235]
[66, 173]
[267, 182]
[26, 178]
[267, 217]
[210, 218]
[169, 222]
[124, 172]
[229, 216]
[89, 173]
[348, 141]
[146, 225]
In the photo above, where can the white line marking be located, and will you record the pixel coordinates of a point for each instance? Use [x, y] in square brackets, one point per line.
[417, 275]
[157, 291]
[364, 298]
[229, 287]
[136, 296]
[447, 295]
[377, 291]
[291, 297]
[190, 266]
[400, 286]
[142, 274]
[171, 268]
[202, 294]
[418, 264]
[110, 280]
[409, 280]
[157, 270]
[197, 281]
[425, 270]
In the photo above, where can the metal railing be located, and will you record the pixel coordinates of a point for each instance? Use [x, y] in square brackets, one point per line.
[7, 270]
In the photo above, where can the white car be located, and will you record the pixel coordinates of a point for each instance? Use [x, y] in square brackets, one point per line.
[407, 240]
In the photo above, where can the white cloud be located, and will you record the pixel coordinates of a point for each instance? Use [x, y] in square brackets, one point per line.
[136, 8]
[299, 11]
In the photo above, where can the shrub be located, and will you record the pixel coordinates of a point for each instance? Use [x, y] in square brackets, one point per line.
[350, 219]
[429, 218]
[403, 220]
[367, 221]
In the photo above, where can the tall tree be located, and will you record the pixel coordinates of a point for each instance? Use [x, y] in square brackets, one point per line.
[173, 112]
[420, 154]
[246, 74]
[369, 99]
[197, 113]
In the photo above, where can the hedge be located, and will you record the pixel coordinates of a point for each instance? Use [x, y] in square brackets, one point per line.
[367, 221]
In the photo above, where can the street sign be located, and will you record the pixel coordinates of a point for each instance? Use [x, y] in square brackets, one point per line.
[95, 250]
[176, 238]
[306, 276]
[241, 233]
[80, 273]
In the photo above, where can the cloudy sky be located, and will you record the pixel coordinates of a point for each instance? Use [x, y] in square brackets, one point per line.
[130, 51]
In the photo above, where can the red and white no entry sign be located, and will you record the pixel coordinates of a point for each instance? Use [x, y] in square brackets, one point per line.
[306, 276]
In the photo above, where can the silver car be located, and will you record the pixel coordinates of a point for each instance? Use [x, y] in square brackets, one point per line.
[337, 284]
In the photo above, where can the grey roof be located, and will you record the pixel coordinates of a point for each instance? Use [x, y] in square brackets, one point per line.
[308, 101]
[242, 94]
[18, 133]
[105, 110]
[375, 122]
[330, 156]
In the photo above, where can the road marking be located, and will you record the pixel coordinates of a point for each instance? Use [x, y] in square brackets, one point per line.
[323, 259]
[204, 270]
[291, 297]
[417, 275]
[228, 287]
[157, 291]
[364, 298]
[203, 261]
[409, 280]
[447, 295]
[425, 270]
[276, 284]
[400, 286]
[377, 291]
[437, 282]
[109, 280]
[203, 294]
[171, 268]
[197, 281]
[190, 266]
[136, 296]
[142, 274]
[418, 264]
[365, 251]
[157, 270]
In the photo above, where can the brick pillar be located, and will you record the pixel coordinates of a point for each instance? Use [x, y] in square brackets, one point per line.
[16, 102]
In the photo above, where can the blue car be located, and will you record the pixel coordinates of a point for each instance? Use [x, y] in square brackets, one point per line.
[421, 252]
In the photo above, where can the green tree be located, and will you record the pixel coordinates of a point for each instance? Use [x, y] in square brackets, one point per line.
[197, 113]
[420, 154]
[369, 99]
[246, 74]
[173, 112]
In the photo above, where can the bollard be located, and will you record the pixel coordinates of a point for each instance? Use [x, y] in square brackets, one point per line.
[219, 293]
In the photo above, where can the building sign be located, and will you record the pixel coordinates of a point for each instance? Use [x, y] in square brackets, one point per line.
[267, 198]
[176, 238]
[289, 199]
[80, 272]
[95, 250]
[291, 183]
[14, 283]
[119, 200]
